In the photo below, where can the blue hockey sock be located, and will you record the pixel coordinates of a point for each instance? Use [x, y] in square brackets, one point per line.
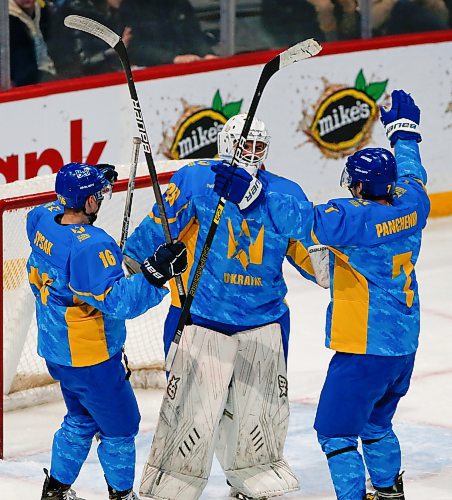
[383, 459]
[117, 456]
[71, 445]
[346, 466]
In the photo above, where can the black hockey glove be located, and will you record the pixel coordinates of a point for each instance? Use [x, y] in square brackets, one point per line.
[169, 260]
[109, 172]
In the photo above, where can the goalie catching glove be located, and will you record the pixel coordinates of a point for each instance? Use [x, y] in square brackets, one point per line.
[169, 260]
[402, 120]
[237, 185]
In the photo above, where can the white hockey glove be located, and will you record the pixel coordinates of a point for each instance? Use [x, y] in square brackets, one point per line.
[320, 259]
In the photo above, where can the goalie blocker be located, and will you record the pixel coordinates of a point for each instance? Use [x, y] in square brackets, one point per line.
[227, 394]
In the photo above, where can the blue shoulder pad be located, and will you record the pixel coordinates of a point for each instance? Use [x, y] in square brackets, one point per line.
[95, 262]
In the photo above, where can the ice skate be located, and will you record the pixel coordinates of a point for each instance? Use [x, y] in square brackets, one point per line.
[122, 495]
[394, 492]
[56, 490]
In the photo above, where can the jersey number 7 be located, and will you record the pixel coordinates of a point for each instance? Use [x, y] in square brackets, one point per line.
[403, 262]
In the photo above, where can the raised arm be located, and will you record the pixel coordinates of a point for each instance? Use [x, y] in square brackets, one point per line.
[401, 124]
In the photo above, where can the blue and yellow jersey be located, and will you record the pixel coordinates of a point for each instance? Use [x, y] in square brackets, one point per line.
[374, 306]
[242, 282]
[82, 296]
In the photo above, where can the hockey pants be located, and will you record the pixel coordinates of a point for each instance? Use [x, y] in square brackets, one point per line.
[359, 399]
[99, 399]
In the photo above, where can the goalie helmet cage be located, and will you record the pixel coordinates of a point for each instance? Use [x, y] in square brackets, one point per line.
[24, 380]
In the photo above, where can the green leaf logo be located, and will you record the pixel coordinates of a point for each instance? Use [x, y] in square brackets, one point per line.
[217, 103]
[374, 90]
[232, 108]
[229, 109]
[360, 82]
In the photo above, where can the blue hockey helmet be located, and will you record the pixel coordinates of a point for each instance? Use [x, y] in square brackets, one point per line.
[75, 182]
[375, 168]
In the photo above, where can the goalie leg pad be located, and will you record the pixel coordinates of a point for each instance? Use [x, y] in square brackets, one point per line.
[181, 455]
[254, 425]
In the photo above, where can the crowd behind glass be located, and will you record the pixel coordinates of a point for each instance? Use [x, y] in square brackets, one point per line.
[178, 31]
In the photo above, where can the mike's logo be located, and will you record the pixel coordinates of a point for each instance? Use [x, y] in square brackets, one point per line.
[344, 117]
[195, 134]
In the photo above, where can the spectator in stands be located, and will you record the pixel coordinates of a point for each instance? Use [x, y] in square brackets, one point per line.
[348, 19]
[165, 32]
[392, 17]
[326, 20]
[61, 41]
[290, 21]
[449, 8]
[30, 59]
[94, 55]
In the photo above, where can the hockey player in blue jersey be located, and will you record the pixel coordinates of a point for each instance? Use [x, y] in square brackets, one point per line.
[82, 302]
[372, 322]
[242, 289]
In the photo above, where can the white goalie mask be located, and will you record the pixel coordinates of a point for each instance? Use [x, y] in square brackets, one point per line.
[258, 142]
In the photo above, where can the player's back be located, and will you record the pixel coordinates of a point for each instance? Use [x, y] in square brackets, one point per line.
[375, 303]
[70, 332]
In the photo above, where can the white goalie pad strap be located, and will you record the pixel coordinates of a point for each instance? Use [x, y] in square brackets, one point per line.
[169, 485]
[320, 260]
[401, 124]
[254, 425]
[264, 481]
[181, 455]
[252, 194]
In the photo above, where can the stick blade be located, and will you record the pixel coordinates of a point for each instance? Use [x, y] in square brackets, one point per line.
[298, 52]
[92, 27]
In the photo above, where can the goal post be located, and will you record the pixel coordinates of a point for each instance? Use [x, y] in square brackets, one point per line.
[24, 380]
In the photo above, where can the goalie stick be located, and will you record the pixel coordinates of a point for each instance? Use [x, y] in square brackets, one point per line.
[114, 41]
[130, 190]
[299, 52]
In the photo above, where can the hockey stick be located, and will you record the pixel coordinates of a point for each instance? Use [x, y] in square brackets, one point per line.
[130, 189]
[114, 41]
[298, 52]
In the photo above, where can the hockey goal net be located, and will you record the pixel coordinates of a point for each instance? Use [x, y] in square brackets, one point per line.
[25, 379]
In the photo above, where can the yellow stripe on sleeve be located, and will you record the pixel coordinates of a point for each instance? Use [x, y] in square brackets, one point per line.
[190, 237]
[350, 307]
[158, 220]
[89, 294]
[300, 256]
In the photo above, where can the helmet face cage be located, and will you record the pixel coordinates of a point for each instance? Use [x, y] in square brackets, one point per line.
[252, 157]
[104, 194]
[346, 179]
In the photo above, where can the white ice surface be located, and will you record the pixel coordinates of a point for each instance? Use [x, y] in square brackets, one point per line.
[423, 420]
